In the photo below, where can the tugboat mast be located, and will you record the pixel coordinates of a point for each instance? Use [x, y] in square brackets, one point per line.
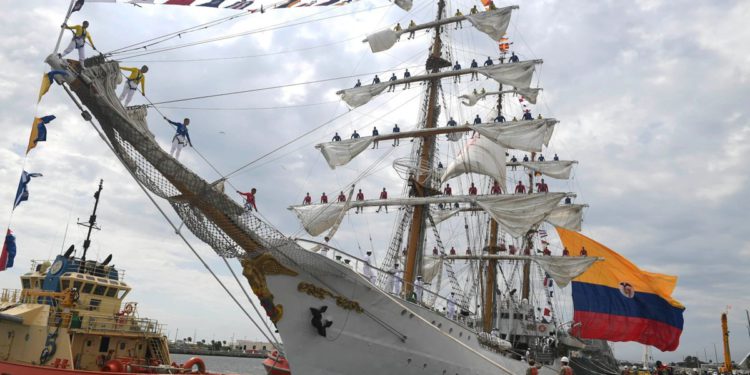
[417, 230]
[91, 224]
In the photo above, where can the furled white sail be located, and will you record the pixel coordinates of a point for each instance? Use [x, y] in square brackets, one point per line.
[528, 135]
[318, 218]
[519, 213]
[382, 40]
[471, 99]
[564, 269]
[515, 74]
[555, 168]
[569, 216]
[340, 153]
[492, 22]
[358, 96]
[480, 155]
[404, 4]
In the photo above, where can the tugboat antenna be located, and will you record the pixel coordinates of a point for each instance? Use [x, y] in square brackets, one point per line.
[91, 224]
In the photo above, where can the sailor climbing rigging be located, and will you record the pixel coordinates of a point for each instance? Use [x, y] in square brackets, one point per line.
[181, 137]
[136, 77]
[249, 200]
[80, 36]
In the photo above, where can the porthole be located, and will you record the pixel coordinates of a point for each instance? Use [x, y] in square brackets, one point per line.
[411, 315]
[440, 325]
[450, 330]
[27, 337]
[408, 360]
[433, 322]
[122, 346]
[403, 312]
[460, 334]
[88, 342]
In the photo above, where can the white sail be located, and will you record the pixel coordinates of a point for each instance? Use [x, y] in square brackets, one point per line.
[528, 135]
[569, 216]
[403, 4]
[340, 153]
[358, 96]
[492, 22]
[515, 74]
[439, 216]
[564, 269]
[518, 213]
[382, 40]
[555, 168]
[480, 155]
[430, 268]
[318, 218]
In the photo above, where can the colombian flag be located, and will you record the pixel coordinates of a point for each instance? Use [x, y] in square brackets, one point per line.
[615, 300]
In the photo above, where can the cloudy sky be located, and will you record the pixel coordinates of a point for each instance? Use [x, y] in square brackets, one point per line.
[652, 97]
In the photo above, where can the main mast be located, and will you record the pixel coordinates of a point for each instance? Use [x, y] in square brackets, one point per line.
[417, 231]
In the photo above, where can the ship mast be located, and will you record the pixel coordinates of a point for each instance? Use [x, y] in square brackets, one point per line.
[91, 224]
[489, 290]
[417, 230]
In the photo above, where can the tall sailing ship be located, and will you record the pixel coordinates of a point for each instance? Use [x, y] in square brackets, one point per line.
[483, 309]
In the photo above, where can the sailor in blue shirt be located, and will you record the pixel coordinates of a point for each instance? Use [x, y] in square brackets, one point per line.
[375, 133]
[527, 115]
[407, 75]
[457, 78]
[392, 87]
[477, 120]
[500, 118]
[452, 122]
[513, 58]
[181, 137]
[474, 75]
[488, 62]
[396, 129]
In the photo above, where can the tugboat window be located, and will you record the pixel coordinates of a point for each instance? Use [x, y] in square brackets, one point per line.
[65, 284]
[94, 304]
[99, 290]
[87, 288]
[111, 292]
[122, 346]
[77, 285]
[122, 293]
[26, 283]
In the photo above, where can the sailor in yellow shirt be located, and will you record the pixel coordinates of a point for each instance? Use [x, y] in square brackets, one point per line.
[131, 85]
[80, 36]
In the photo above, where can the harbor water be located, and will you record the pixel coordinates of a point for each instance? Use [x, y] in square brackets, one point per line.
[229, 365]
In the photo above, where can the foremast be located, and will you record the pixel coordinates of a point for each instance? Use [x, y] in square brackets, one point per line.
[417, 230]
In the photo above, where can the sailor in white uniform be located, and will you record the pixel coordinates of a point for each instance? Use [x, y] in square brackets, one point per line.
[391, 276]
[398, 279]
[418, 288]
[452, 306]
[367, 268]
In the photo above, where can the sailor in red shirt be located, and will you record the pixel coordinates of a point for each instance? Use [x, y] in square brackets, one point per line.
[453, 251]
[324, 198]
[342, 197]
[496, 189]
[584, 252]
[435, 251]
[546, 251]
[383, 195]
[249, 199]
[565, 252]
[520, 189]
[468, 251]
[307, 199]
[448, 191]
[512, 250]
[472, 189]
[542, 187]
[502, 247]
[360, 197]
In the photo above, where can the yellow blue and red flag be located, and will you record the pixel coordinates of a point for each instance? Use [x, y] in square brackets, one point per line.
[615, 300]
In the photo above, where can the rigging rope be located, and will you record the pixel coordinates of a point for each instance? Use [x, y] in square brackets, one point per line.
[153, 201]
[236, 35]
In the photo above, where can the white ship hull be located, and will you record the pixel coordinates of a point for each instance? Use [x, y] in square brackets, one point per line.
[390, 336]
